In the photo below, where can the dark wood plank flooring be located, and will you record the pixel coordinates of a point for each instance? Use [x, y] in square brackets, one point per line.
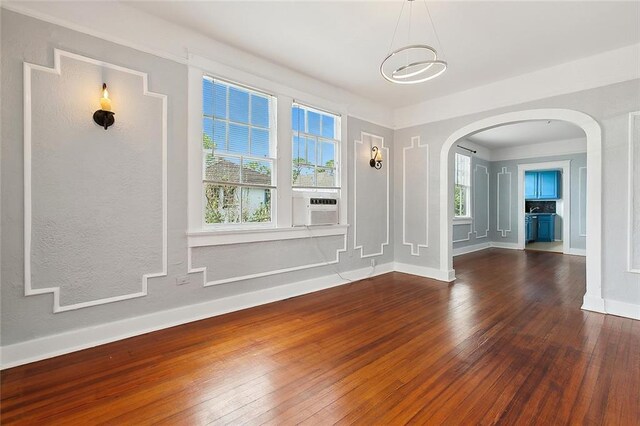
[506, 343]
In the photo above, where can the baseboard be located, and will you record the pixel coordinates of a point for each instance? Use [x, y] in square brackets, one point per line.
[470, 249]
[75, 340]
[594, 304]
[576, 252]
[425, 271]
[622, 309]
[510, 246]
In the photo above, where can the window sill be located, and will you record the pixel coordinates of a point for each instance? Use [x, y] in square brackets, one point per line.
[462, 221]
[239, 236]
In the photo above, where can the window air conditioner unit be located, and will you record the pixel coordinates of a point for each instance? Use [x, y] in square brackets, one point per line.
[309, 211]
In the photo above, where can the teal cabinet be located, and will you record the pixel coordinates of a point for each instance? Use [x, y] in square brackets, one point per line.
[545, 185]
[546, 228]
[531, 228]
[531, 185]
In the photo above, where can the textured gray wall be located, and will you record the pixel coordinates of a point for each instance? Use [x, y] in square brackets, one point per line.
[610, 107]
[25, 318]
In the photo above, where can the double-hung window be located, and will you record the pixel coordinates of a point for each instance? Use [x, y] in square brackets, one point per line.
[315, 148]
[462, 188]
[239, 153]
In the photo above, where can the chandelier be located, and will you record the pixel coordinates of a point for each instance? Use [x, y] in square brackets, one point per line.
[413, 63]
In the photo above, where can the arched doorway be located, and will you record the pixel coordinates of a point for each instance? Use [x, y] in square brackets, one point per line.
[593, 299]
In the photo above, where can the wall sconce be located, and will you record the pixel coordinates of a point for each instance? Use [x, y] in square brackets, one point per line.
[376, 158]
[104, 116]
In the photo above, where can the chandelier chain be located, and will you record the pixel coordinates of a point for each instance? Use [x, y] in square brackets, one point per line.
[396, 29]
[435, 32]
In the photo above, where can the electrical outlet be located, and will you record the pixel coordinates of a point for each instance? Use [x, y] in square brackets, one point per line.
[182, 280]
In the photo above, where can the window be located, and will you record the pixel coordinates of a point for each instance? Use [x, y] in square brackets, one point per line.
[316, 145]
[462, 188]
[238, 145]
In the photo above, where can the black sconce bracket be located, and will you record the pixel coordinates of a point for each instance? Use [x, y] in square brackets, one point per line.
[104, 118]
[377, 164]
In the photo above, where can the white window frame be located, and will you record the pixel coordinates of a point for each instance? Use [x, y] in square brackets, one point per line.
[282, 199]
[467, 216]
[273, 143]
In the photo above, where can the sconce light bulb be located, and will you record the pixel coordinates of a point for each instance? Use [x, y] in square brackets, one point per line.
[105, 102]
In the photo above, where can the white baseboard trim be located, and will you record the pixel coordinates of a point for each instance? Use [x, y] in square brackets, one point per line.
[75, 340]
[510, 246]
[425, 271]
[593, 304]
[622, 309]
[576, 252]
[470, 249]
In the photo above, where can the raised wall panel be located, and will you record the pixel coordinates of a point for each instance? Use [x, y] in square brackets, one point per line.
[371, 197]
[503, 201]
[462, 232]
[480, 211]
[238, 262]
[415, 196]
[95, 200]
[634, 193]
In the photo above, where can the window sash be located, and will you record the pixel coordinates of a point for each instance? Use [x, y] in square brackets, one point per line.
[302, 134]
[226, 152]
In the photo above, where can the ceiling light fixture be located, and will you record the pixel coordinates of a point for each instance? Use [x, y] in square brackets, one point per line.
[413, 63]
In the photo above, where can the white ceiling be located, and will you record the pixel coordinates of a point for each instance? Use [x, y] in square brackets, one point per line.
[526, 133]
[343, 43]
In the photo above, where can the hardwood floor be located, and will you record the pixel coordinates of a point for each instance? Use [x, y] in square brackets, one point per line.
[506, 343]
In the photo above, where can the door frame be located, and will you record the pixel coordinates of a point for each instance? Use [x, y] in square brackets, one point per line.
[565, 166]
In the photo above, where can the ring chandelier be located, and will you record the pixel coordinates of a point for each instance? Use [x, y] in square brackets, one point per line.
[414, 63]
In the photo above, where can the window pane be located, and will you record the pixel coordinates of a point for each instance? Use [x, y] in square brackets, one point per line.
[238, 138]
[304, 176]
[207, 96]
[259, 111]
[221, 168]
[328, 152]
[207, 133]
[298, 150]
[297, 119]
[238, 105]
[220, 100]
[313, 123]
[311, 151]
[256, 205]
[326, 177]
[259, 142]
[256, 172]
[223, 203]
[328, 126]
[220, 135]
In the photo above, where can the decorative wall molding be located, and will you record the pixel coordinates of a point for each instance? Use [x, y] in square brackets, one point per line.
[207, 283]
[475, 199]
[468, 237]
[27, 72]
[500, 227]
[582, 200]
[415, 247]
[378, 141]
[633, 247]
